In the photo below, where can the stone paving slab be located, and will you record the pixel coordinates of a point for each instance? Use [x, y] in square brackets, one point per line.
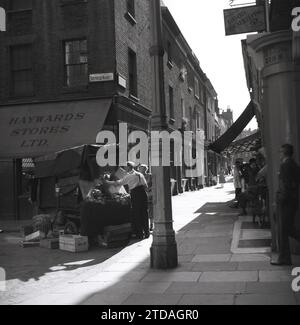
[268, 288]
[212, 258]
[225, 276]
[262, 265]
[152, 299]
[207, 288]
[266, 299]
[172, 276]
[275, 276]
[106, 299]
[215, 266]
[221, 300]
[250, 257]
[117, 276]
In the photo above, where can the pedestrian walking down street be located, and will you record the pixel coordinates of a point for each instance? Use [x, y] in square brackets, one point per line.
[137, 185]
[288, 203]
[237, 182]
[222, 179]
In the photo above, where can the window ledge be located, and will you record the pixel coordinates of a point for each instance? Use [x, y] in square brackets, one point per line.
[74, 2]
[130, 18]
[172, 121]
[170, 64]
[136, 99]
[18, 11]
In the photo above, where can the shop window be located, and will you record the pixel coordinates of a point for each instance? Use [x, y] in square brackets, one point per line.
[22, 70]
[197, 90]
[76, 63]
[132, 67]
[20, 4]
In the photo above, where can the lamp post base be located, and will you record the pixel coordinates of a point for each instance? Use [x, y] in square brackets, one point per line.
[164, 256]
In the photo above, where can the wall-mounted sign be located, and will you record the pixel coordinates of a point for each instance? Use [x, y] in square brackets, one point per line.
[2, 20]
[101, 77]
[245, 20]
[36, 129]
[122, 81]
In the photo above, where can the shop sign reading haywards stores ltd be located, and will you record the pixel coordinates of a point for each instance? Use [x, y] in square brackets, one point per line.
[245, 20]
[37, 129]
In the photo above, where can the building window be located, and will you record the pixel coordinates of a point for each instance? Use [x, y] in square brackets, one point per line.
[170, 55]
[198, 120]
[171, 102]
[22, 70]
[131, 7]
[197, 90]
[201, 95]
[132, 67]
[76, 63]
[191, 117]
[20, 4]
[183, 112]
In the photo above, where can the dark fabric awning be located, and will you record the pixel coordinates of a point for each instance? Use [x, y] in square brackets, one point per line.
[37, 129]
[235, 130]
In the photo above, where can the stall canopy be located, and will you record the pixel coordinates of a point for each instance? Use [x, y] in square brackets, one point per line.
[34, 130]
[234, 131]
[246, 144]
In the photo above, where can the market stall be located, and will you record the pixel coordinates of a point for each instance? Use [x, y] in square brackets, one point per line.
[69, 188]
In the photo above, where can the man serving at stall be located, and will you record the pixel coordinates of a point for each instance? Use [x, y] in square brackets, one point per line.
[137, 185]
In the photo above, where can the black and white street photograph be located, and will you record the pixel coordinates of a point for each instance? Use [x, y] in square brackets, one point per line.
[149, 155]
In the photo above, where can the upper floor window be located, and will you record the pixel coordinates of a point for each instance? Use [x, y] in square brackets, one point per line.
[132, 71]
[197, 89]
[76, 63]
[191, 118]
[171, 102]
[21, 70]
[20, 4]
[131, 7]
[183, 112]
[170, 54]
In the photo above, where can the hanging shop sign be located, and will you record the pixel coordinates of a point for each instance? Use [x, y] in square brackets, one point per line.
[244, 20]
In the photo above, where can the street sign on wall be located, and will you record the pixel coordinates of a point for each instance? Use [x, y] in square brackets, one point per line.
[245, 20]
[2, 20]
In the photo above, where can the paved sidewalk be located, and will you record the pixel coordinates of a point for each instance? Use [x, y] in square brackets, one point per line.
[208, 271]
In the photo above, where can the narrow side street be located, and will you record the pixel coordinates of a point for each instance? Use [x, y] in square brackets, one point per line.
[214, 268]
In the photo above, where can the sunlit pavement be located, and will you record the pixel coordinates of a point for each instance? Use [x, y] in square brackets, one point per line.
[208, 271]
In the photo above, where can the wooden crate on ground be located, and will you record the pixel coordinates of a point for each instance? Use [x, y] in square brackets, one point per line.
[73, 243]
[50, 243]
[116, 236]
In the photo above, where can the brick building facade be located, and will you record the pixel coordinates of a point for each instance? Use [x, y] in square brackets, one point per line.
[60, 54]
